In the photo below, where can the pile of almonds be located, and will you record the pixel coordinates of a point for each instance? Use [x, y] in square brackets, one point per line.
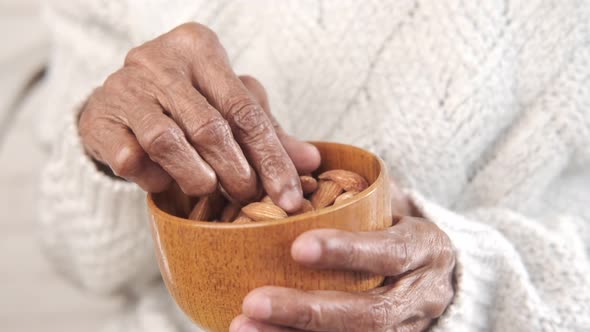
[330, 188]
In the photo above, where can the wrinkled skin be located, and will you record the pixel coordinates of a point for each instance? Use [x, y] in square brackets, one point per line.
[176, 111]
[415, 255]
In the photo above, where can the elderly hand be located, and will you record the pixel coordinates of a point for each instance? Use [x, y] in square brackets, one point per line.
[415, 255]
[176, 111]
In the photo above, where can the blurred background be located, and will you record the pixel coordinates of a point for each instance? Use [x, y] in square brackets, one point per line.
[32, 296]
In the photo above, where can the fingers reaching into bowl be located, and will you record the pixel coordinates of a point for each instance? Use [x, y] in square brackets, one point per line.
[415, 254]
[332, 187]
[176, 111]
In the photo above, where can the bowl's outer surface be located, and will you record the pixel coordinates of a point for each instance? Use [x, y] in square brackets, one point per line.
[209, 267]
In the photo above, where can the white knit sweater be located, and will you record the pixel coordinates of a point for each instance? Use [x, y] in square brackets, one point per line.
[480, 108]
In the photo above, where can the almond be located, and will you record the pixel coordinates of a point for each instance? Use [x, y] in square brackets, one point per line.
[230, 212]
[207, 207]
[325, 194]
[308, 184]
[267, 199]
[349, 181]
[242, 219]
[345, 196]
[306, 206]
[263, 211]
[177, 202]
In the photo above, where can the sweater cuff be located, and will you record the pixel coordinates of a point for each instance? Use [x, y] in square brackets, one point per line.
[93, 226]
[473, 274]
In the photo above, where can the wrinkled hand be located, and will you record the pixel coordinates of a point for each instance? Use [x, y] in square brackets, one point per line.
[415, 255]
[177, 111]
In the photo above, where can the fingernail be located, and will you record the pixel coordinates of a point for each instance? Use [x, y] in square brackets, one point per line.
[257, 307]
[306, 249]
[290, 200]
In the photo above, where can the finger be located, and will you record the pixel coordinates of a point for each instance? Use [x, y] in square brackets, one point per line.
[211, 135]
[166, 144]
[251, 126]
[406, 246]
[245, 324]
[305, 156]
[255, 133]
[211, 73]
[113, 144]
[318, 310]
[424, 293]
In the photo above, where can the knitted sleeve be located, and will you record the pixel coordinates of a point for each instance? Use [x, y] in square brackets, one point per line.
[94, 228]
[514, 274]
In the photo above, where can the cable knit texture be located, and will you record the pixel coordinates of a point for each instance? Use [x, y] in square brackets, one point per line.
[480, 108]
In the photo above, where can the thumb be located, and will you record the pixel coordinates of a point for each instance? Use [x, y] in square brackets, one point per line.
[305, 156]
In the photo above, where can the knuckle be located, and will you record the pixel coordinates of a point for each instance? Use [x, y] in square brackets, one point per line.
[214, 132]
[379, 316]
[116, 83]
[193, 33]
[432, 309]
[447, 257]
[273, 167]
[440, 294]
[446, 252]
[162, 139]
[206, 184]
[436, 306]
[440, 249]
[127, 84]
[137, 56]
[250, 120]
[307, 319]
[142, 62]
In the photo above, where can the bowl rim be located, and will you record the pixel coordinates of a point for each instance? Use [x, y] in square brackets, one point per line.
[167, 217]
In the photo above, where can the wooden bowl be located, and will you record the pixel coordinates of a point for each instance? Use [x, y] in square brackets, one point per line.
[210, 267]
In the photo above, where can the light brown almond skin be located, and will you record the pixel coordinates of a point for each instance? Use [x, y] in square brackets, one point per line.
[207, 207]
[264, 211]
[344, 196]
[334, 187]
[308, 184]
[267, 199]
[230, 212]
[242, 219]
[306, 206]
[201, 211]
[325, 194]
[349, 181]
